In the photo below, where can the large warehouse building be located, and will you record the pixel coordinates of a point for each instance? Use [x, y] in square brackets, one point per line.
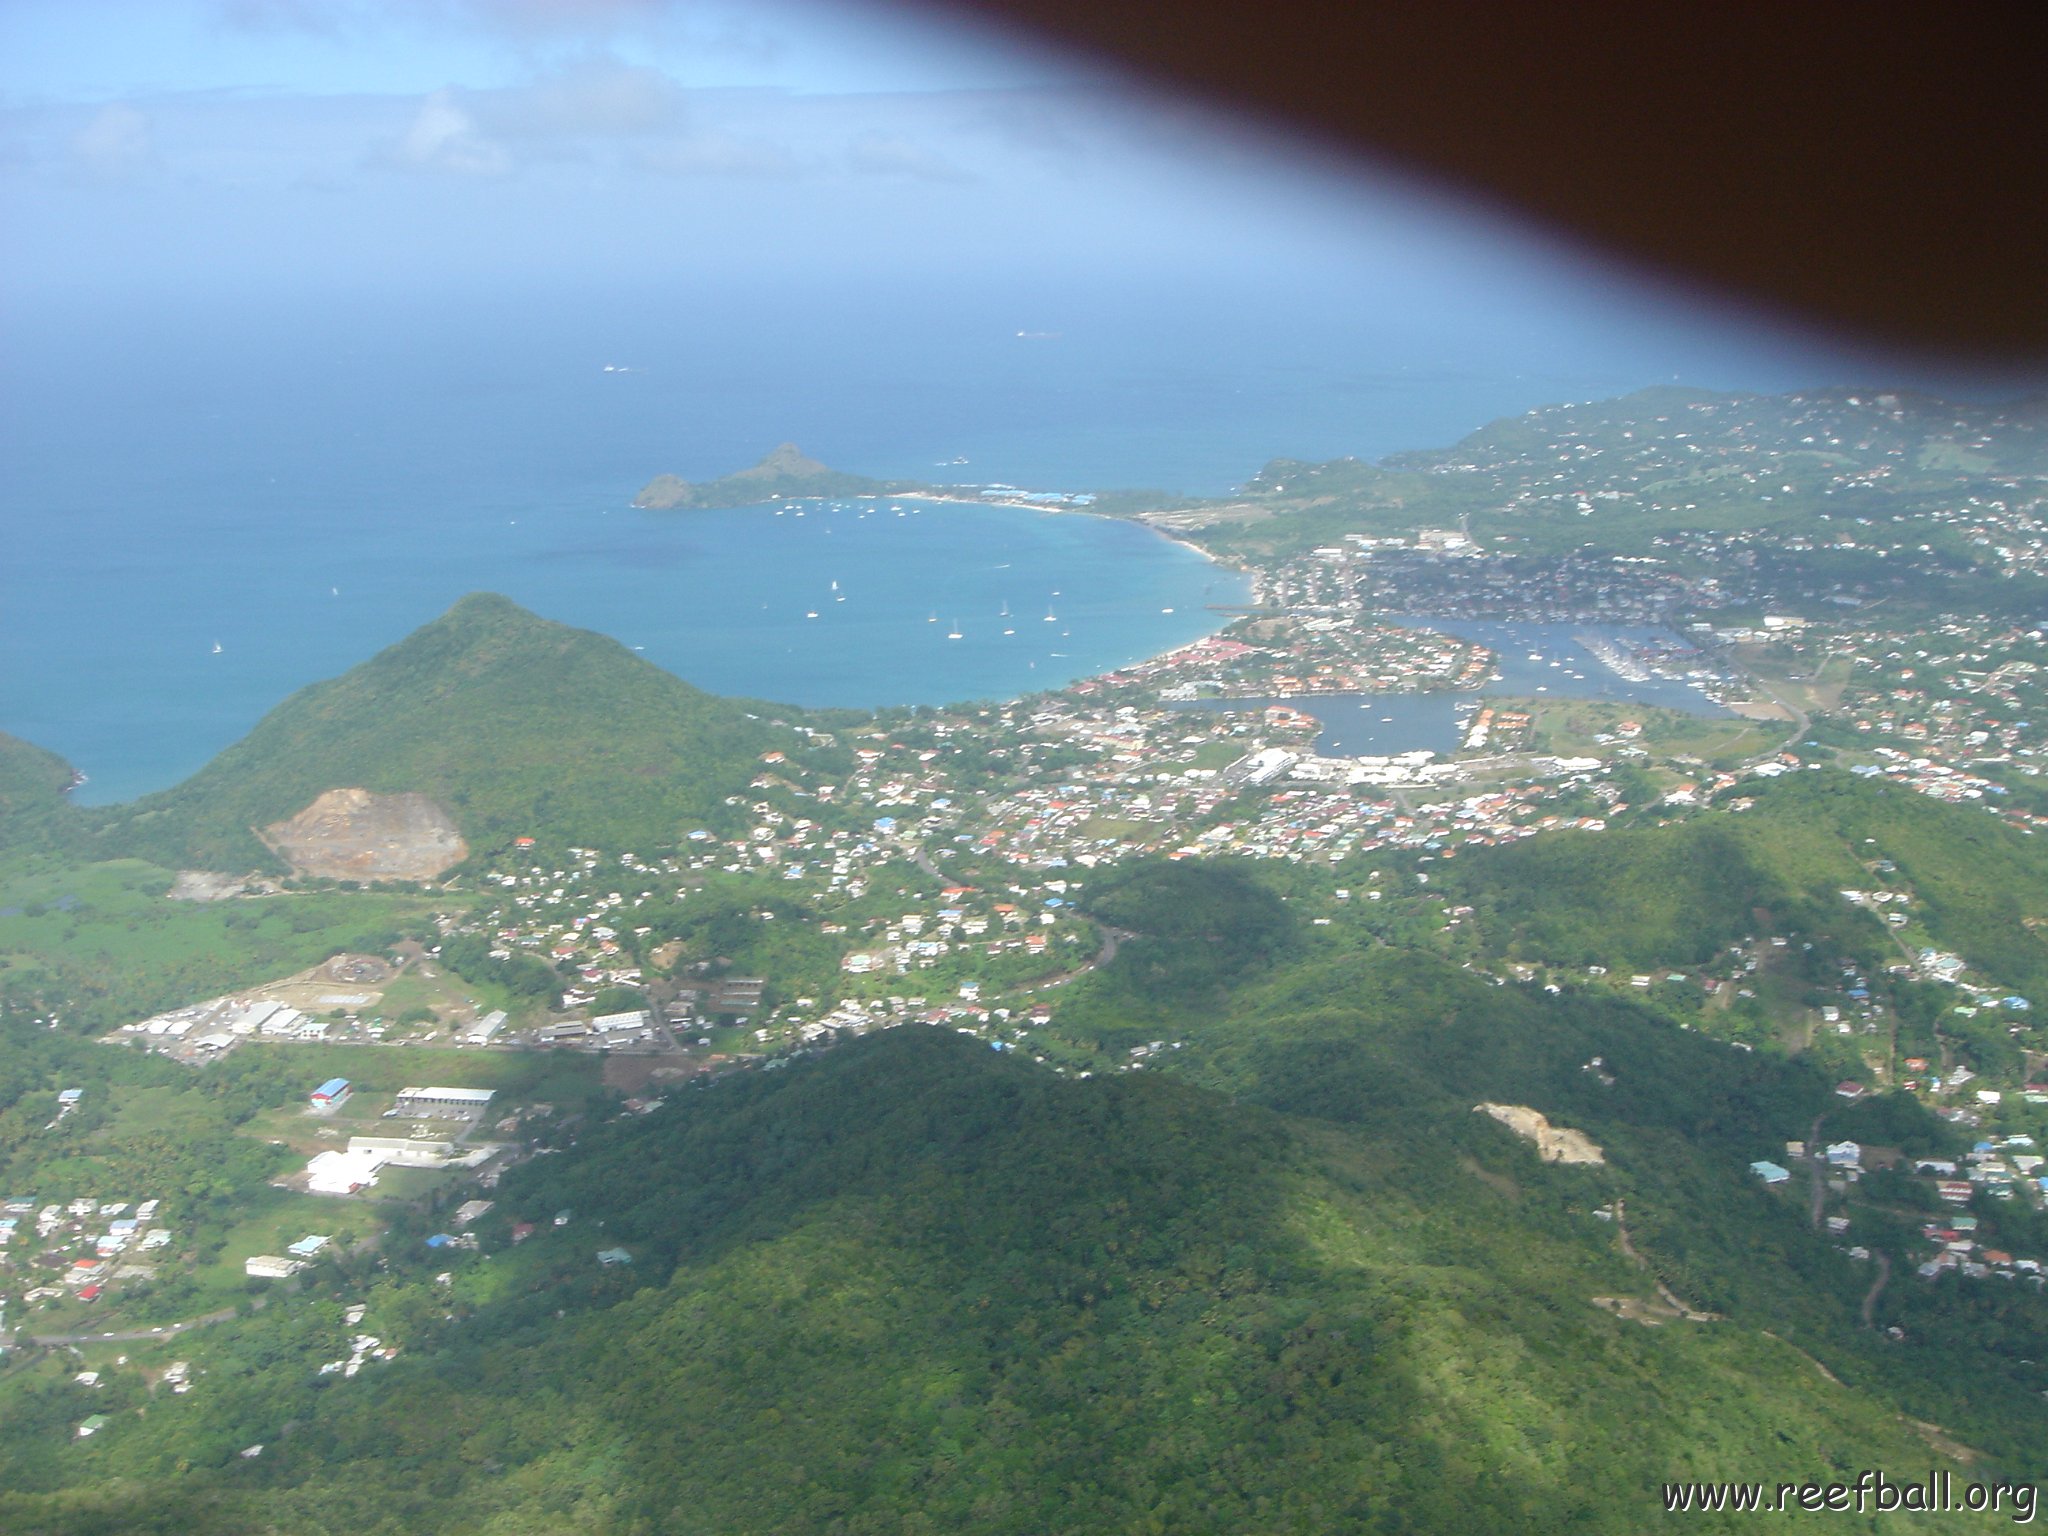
[465, 1102]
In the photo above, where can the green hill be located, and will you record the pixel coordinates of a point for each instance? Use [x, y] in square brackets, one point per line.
[913, 1286]
[786, 471]
[1675, 895]
[32, 784]
[511, 723]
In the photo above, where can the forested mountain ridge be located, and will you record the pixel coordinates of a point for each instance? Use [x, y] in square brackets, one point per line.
[914, 1286]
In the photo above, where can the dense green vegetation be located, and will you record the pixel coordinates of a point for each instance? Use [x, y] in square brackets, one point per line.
[510, 722]
[1675, 895]
[912, 1286]
[32, 784]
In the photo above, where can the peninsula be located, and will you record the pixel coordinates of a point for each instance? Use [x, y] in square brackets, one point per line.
[787, 471]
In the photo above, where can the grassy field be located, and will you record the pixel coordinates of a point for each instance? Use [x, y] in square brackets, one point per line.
[567, 1079]
[108, 933]
[1572, 728]
[1218, 754]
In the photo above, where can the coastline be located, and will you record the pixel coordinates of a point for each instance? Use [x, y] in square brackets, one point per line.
[1171, 535]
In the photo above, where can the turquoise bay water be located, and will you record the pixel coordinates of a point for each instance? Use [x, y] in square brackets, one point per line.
[722, 598]
[306, 484]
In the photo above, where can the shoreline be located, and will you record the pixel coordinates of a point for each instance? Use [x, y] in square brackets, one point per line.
[80, 778]
[1170, 535]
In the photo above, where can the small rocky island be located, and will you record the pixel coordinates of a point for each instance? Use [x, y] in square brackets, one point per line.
[786, 472]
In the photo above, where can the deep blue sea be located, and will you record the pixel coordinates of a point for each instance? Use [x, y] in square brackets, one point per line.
[302, 485]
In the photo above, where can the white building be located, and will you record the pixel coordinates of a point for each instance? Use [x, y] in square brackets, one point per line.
[444, 1101]
[342, 1173]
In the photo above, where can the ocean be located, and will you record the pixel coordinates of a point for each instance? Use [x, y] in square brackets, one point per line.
[301, 485]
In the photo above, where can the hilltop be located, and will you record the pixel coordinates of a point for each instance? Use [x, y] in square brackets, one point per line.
[506, 721]
[785, 472]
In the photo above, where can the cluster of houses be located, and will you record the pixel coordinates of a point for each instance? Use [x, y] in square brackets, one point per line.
[967, 922]
[75, 1249]
[1940, 706]
[1368, 575]
[2000, 1167]
[362, 1347]
[1308, 654]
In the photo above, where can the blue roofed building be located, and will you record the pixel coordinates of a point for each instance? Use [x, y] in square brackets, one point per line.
[332, 1094]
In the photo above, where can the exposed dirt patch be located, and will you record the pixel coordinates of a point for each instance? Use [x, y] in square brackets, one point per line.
[1939, 1440]
[203, 885]
[1760, 709]
[352, 834]
[1636, 1309]
[636, 1074]
[1554, 1143]
[358, 970]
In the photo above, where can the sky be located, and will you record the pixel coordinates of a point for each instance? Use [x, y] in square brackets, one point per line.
[238, 147]
[250, 158]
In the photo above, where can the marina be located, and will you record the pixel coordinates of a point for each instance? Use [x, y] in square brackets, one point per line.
[1569, 661]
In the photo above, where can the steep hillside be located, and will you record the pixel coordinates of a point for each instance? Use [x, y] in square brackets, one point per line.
[32, 784]
[510, 723]
[1674, 895]
[913, 1286]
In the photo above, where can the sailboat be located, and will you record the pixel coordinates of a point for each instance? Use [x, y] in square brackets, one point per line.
[954, 634]
[216, 647]
[934, 618]
[837, 595]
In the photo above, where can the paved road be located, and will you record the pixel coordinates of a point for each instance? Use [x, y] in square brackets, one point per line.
[128, 1335]
[1801, 721]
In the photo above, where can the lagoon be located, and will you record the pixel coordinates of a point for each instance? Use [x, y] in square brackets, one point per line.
[1533, 660]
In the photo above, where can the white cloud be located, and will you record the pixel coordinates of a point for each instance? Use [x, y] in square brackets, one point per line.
[444, 137]
[116, 145]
